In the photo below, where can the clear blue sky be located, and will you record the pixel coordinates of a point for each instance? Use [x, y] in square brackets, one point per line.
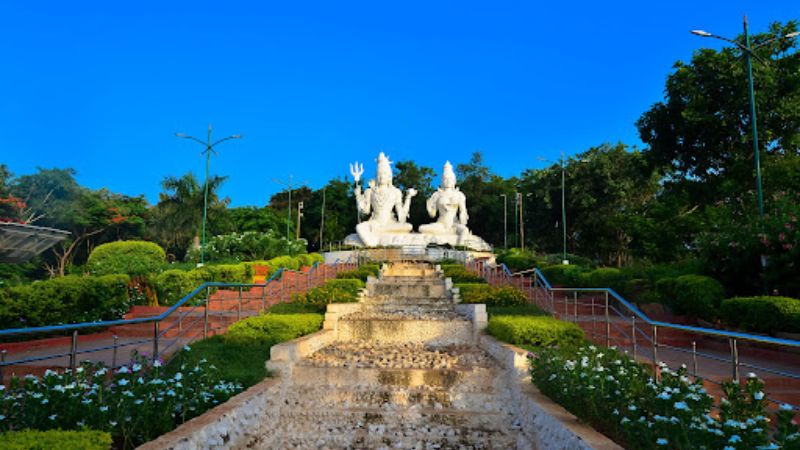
[102, 87]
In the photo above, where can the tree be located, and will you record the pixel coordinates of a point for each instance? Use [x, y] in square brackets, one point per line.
[702, 130]
[409, 175]
[178, 216]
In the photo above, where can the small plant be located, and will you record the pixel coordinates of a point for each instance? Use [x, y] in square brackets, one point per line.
[535, 331]
[459, 274]
[762, 314]
[491, 295]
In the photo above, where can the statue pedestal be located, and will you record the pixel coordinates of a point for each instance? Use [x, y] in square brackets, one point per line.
[420, 240]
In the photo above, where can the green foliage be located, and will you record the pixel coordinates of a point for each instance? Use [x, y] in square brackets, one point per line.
[613, 393]
[136, 403]
[697, 296]
[762, 314]
[134, 258]
[459, 274]
[275, 328]
[362, 272]
[69, 299]
[605, 277]
[564, 275]
[172, 285]
[248, 246]
[518, 310]
[517, 260]
[60, 439]
[490, 295]
[296, 307]
[333, 291]
[535, 331]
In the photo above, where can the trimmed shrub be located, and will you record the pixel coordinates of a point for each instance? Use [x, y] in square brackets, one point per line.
[640, 290]
[333, 291]
[490, 295]
[286, 262]
[697, 295]
[460, 274]
[275, 328]
[517, 260]
[172, 285]
[561, 275]
[60, 439]
[535, 331]
[361, 273]
[134, 258]
[762, 314]
[605, 277]
[69, 299]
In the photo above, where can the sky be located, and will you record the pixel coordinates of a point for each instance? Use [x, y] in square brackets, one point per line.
[102, 87]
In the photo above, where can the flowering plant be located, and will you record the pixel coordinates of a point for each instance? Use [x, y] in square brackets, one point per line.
[619, 396]
[135, 403]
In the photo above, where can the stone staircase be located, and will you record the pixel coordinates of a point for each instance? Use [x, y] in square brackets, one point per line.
[401, 370]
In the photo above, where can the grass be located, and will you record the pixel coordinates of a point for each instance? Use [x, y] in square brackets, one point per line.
[240, 360]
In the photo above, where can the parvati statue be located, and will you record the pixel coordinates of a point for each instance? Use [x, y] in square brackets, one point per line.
[451, 206]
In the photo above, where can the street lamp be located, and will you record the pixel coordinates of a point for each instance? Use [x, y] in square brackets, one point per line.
[505, 220]
[747, 49]
[521, 219]
[209, 149]
[290, 185]
[562, 163]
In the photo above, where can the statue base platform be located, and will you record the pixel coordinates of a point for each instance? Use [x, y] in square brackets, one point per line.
[422, 240]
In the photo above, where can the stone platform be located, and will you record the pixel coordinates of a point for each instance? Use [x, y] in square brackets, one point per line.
[406, 367]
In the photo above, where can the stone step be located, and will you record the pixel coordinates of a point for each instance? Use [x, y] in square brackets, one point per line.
[373, 300]
[398, 356]
[309, 398]
[421, 327]
[414, 290]
[371, 429]
[339, 377]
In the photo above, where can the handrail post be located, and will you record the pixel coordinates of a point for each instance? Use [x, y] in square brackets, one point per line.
[114, 352]
[205, 313]
[566, 306]
[73, 351]
[656, 372]
[576, 307]
[2, 364]
[239, 309]
[694, 359]
[633, 336]
[594, 320]
[734, 360]
[155, 340]
[608, 323]
[264, 298]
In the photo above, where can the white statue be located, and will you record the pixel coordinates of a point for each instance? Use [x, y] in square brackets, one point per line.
[451, 206]
[381, 200]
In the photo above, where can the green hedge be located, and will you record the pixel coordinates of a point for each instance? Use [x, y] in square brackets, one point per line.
[276, 328]
[692, 295]
[134, 258]
[564, 275]
[604, 277]
[490, 295]
[361, 273]
[69, 299]
[762, 314]
[52, 439]
[333, 291]
[459, 274]
[535, 331]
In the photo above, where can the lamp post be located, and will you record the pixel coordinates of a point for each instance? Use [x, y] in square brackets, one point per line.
[505, 220]
[522, 219]
[290, 185]
[562, 163]
[747, 50]
[209, 148]
[322, 218]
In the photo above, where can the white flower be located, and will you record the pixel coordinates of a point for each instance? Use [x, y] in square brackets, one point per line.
[49, 373]
[681, 406]
[123, 382]
[186, 348]
[157, 363]
[123, 369]
[138, 401]
[178, 376]
[52, 416]
[2, 417]
[113, 423]
[786, 407]
[662, 441]
[103, 408]
[758, 395]
[664, 395]
[734, 439]
[752, 375]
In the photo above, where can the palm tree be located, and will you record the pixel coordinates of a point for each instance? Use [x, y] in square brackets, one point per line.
[177, 218]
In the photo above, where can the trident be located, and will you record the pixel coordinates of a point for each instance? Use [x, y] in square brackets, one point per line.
[356, 170]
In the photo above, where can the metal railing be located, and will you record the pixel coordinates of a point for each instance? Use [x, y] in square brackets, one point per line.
[208, 309]
[608, 319]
